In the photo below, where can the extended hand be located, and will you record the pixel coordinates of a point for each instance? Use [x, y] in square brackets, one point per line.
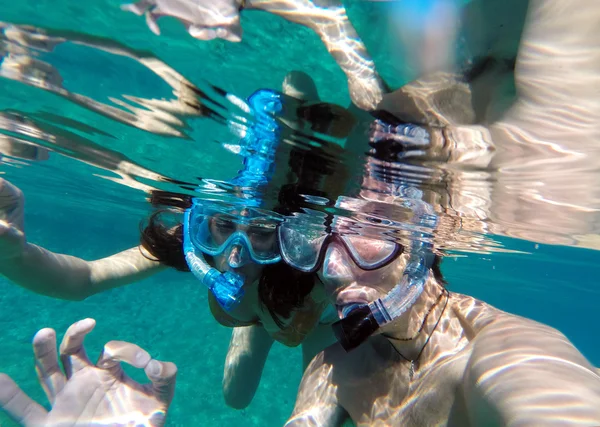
[87, 394]
[204, 19]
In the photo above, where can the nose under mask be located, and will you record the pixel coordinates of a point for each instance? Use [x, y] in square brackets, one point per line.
[238, 255]
[336, 266]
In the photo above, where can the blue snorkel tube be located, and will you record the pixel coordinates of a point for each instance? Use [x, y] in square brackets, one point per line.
[363, 321]
[258, 148]
[226, 287]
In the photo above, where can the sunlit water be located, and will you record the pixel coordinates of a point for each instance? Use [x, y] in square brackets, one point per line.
[95, 111]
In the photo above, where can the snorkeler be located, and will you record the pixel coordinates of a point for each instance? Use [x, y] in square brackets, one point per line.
[209, 19]
[411, 352]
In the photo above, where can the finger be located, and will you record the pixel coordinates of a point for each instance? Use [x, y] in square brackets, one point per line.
[115, 352]
[163, 376]
[49, 373]
[18, 405]
[151, 22]
[11, 204]
[230, 33]
[202, 33]
[72, 352]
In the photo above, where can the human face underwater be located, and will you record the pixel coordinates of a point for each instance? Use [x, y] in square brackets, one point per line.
[239, 242]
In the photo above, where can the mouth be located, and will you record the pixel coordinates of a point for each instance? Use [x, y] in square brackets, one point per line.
[346, 309]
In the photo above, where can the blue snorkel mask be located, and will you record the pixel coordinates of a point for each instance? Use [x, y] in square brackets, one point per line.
[258, 147]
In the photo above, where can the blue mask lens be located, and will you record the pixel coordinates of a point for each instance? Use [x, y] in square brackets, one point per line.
[214, 233]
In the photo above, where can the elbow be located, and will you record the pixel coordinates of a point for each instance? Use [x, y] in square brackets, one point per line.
[70, 295]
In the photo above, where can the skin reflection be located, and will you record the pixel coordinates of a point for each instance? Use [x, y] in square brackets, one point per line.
[20, 46]
[516, 137]
[37, 137]
[209, 19]
[472, 363]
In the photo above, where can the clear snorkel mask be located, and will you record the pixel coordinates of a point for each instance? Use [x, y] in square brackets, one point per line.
[364, 320]
[258, 147]
[303, 245]
[304, 238]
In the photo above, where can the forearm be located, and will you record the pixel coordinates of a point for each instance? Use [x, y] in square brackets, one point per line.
[248, 351]
[524, 373]
[71, 278]
[303, 322]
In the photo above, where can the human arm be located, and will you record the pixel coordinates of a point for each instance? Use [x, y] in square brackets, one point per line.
[316, 401]
[71, 278]
[329, 20]
[246, 357]
[304, 319]
[58, 275]
[84, 394]
[524, 373]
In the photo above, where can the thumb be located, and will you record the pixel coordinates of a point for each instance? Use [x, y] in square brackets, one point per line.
[11, 204]
[232, 33]
[12, 241]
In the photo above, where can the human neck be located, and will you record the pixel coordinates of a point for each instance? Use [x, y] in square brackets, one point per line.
[410, 332]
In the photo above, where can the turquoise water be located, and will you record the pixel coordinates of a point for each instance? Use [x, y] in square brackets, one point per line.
[72, 210]
[168, 316]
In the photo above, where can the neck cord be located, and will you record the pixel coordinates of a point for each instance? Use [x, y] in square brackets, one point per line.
[411, 370]
[434, 305]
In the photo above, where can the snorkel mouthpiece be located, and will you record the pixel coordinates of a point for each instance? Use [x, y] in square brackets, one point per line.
[355, 328]
[226, 287]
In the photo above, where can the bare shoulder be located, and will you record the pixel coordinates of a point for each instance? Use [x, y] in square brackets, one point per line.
[483, 322]
[474, 315]
[522, 370]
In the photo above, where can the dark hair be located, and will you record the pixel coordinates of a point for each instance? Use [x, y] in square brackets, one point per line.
[437, 271]
[164, 243]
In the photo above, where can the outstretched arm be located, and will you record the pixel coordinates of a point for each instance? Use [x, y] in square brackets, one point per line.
[57, 275]
[525, 373]
[72, 278]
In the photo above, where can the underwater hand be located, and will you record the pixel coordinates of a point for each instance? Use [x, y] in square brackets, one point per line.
[87, 394]
[12, 235]
[204, 19]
